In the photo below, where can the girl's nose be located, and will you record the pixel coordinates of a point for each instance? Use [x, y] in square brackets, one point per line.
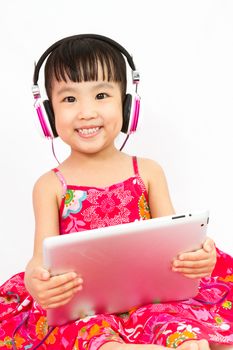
[87, 116]
[87, 111]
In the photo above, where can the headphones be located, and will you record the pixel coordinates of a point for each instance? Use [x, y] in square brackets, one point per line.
[44, 109]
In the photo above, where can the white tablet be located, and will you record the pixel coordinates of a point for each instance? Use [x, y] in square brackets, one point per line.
[126, 265]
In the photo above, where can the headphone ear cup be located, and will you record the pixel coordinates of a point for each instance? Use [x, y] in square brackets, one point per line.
[126, 113]
[51, 118]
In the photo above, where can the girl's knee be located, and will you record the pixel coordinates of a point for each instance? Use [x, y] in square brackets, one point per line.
[220, 347]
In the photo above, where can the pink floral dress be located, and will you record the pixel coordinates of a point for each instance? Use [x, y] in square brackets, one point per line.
[23, 322]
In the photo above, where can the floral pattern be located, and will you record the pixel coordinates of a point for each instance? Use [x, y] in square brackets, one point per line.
[73, 202]
[107, 208]
[90, 208]
[23, 323]
[7, 342]
[42, 330]
[184, 332]
[144, 210]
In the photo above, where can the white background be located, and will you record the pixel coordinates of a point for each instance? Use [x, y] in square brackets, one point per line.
[184, 51]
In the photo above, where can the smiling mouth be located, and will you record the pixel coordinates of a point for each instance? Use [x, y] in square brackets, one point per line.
[88, 131]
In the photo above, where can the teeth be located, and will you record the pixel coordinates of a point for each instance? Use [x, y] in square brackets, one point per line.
[88, 131]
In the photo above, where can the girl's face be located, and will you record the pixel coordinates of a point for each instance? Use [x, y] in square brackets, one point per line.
[88, 115]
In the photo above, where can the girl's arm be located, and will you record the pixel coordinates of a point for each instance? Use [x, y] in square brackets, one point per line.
[159, 197]
[192, 264]
[48, 291]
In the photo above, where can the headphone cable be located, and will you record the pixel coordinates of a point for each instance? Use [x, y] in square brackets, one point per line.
[123, 145]
[54, 153]
[53, 150]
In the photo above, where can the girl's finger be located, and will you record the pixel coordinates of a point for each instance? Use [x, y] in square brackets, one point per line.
[192, 271]
[41, 274]
[192, 263]
[209, 245]
[62, 299]
[199, 254]
[64, 288]
[59, 280]
[195, 276]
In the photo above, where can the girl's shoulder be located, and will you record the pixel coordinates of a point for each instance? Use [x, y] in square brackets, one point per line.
[159, 198]
[47, 184]
[150, 169]
[152, 174]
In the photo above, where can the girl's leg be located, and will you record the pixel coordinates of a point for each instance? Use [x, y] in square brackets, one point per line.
[188, 345]
[221, 347]
[119, 346]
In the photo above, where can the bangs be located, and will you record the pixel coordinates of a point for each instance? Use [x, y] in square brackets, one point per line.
[85, 60]
[85, 69]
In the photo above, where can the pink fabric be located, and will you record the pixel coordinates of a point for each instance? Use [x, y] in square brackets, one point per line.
[208, 316]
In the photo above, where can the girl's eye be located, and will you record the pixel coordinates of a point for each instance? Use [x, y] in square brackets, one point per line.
[101, 96]
[69, 99]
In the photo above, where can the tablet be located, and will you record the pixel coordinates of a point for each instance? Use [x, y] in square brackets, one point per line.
[125, 266]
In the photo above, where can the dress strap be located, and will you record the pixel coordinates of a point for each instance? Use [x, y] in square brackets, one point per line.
[62, 180]
[135, 165]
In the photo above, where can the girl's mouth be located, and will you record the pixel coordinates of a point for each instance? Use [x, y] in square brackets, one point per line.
[88, 131]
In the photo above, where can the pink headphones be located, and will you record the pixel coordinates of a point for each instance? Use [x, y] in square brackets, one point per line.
[44, 109]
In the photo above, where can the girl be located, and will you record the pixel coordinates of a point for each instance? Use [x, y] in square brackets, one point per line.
[96, 186]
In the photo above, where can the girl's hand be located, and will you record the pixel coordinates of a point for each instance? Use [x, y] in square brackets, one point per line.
[197, 264]
[51, 292]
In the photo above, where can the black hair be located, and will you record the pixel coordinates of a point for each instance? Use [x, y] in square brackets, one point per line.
[79, 59]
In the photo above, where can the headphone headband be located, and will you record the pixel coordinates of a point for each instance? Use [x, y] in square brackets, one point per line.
[113, 43]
